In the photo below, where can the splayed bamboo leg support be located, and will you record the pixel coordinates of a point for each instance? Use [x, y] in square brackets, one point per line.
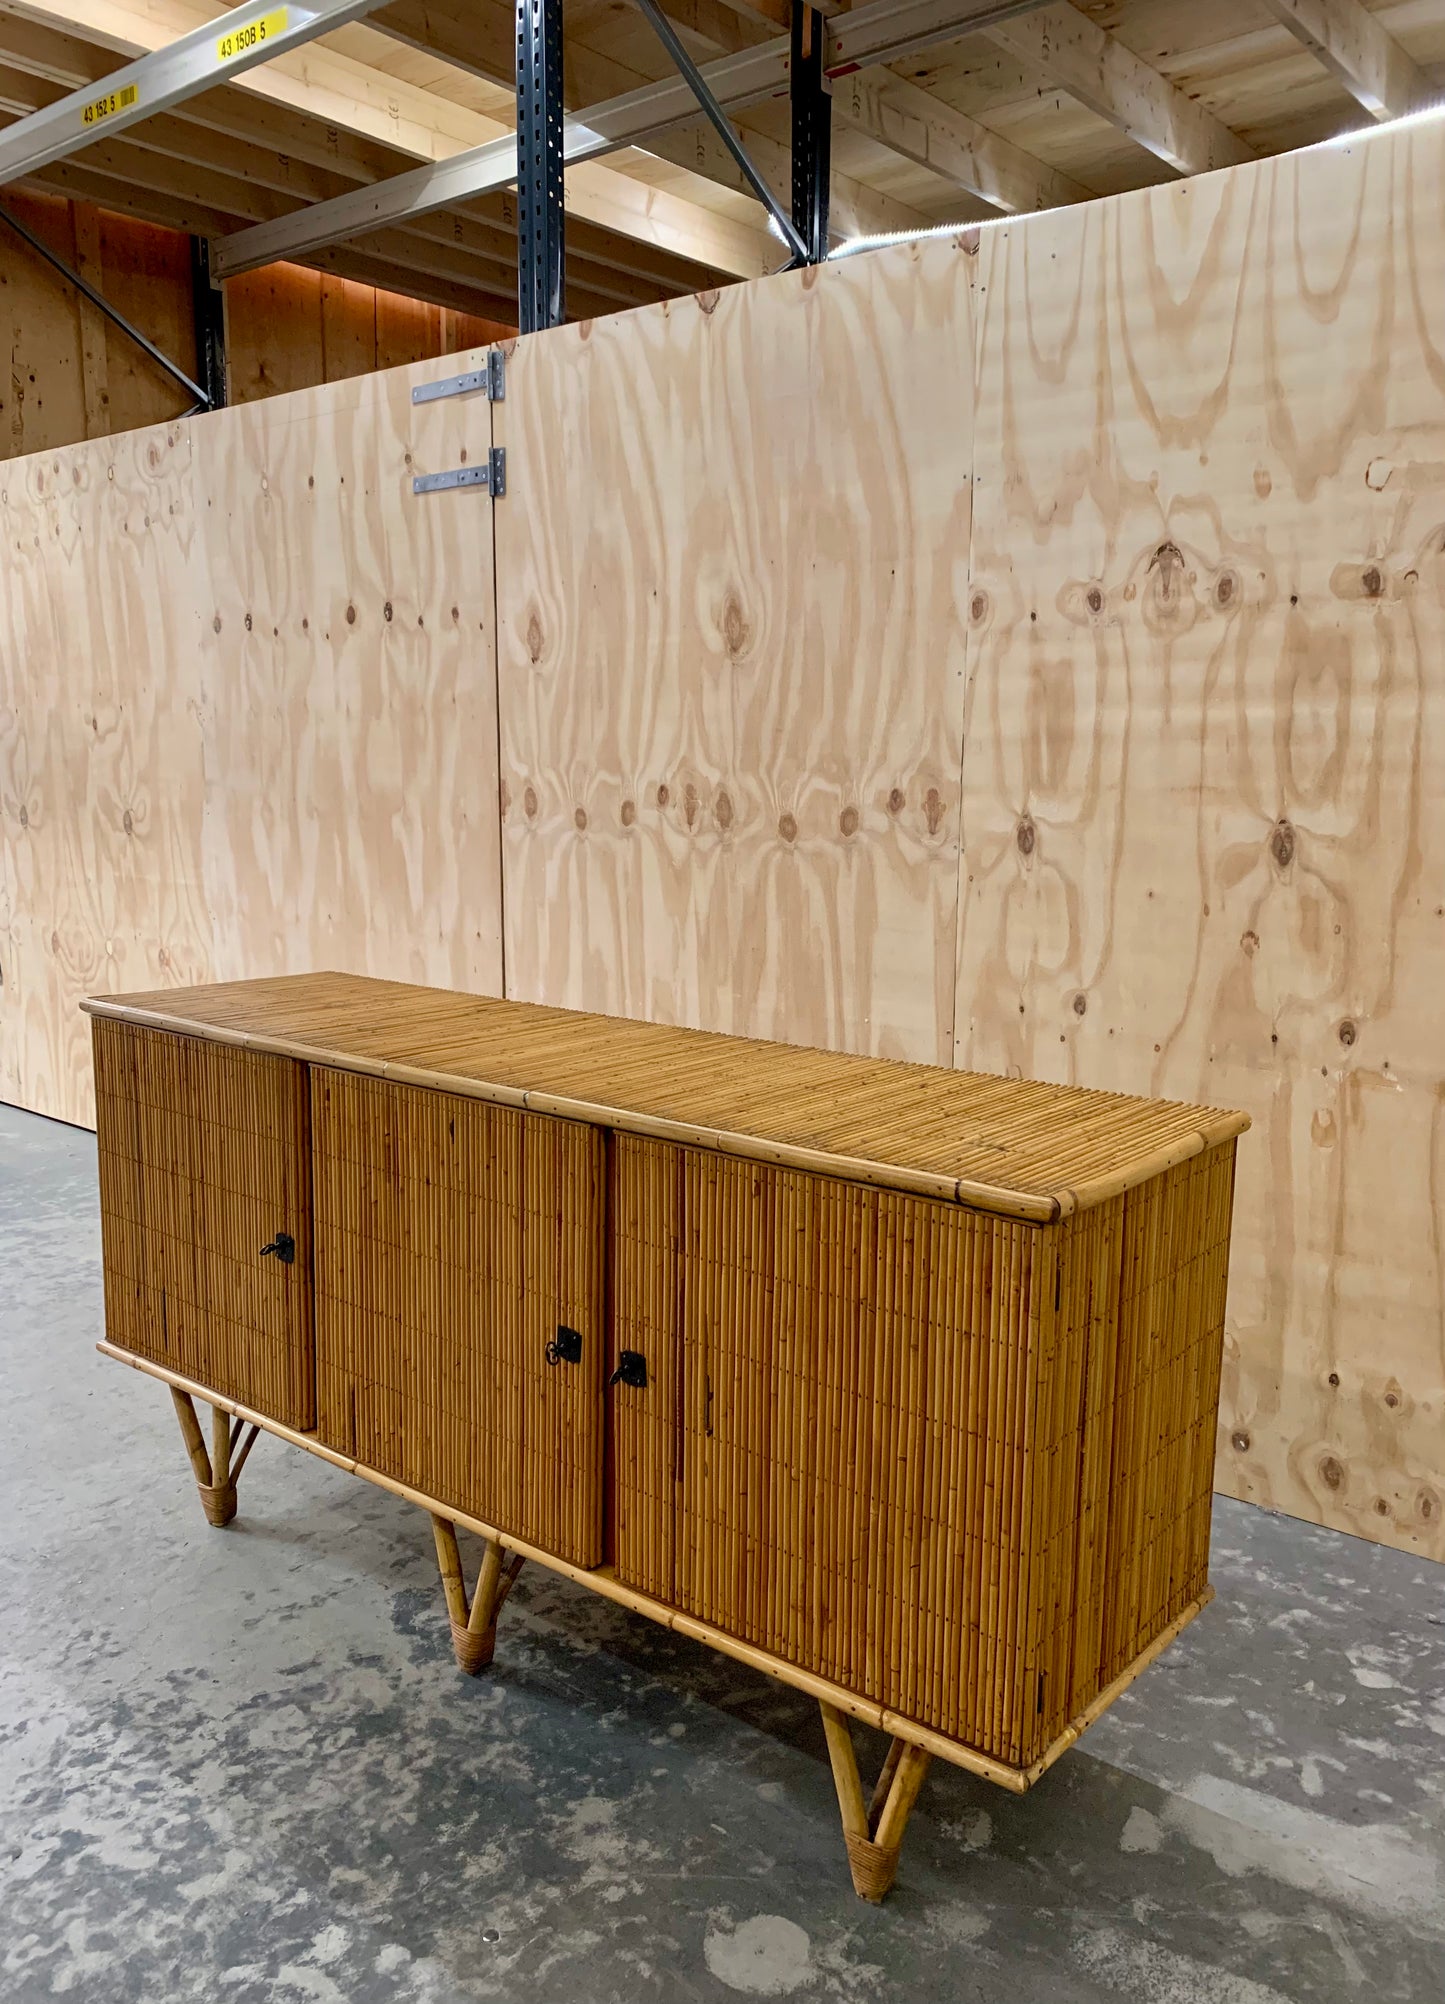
[873, 1835]
[474, 1626]
[215, 1472]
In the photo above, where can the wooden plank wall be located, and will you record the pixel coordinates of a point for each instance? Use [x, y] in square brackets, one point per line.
[1108, 745]
[71, 374]
[247, 712]
[1204, 777]
[731, 577]
[68, 373]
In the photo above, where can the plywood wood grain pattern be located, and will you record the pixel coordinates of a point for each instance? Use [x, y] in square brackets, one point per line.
[101, 778]
[204, 1159]
[350, 717]
[452, 1240]
[731, 571]
[1204, 776]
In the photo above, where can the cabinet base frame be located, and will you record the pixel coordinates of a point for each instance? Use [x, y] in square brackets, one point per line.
[881, 1833]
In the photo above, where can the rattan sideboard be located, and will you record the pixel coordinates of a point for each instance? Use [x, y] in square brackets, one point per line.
[898, 1383]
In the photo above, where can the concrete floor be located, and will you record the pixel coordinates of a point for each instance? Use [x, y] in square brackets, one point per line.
[239, 1765]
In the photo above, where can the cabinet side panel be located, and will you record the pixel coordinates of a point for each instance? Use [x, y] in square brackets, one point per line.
[1173, 1272]
[204, 1160]
[454, 1239]
[646, 1221]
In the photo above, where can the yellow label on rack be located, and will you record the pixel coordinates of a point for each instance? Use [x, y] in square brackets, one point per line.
[253, 36]
[108, 105]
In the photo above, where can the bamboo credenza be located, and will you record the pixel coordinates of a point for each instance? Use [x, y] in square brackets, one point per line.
[898, 1383]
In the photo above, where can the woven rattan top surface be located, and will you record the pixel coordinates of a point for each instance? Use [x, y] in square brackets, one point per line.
[1017, 1147]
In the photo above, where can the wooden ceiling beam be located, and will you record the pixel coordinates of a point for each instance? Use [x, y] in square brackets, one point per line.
[1357, 48]
[909, 122]
[1068, 50]
[428, 127]
[481, 40]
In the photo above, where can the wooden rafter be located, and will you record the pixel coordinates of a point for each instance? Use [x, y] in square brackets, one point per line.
[1066, 47]
[904, 118]
[1357, 48]
[429, 127]
[478, 36]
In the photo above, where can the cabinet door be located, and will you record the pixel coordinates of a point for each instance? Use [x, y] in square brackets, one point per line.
[459, 1303]
[204, 1160]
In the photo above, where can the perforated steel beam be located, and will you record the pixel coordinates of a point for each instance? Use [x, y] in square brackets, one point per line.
[541, 217]
[872, 34]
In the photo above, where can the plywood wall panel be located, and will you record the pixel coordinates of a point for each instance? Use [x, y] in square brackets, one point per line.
[1204, 777]
[247, 712]
[350, 717]
[100, 747]
[731, 568]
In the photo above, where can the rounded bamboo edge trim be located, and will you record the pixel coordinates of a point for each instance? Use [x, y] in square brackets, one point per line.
[473, 1649]
[601, 1580]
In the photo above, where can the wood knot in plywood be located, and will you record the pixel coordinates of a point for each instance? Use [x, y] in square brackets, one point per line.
[1081, 1005]
[1239, 1440]
[933, 810]
[1347, 1033]
[628, 814]
[534, 639]
[529, 803]
[787, 828]
[689, 804]
[1331, 1473]
[735, 629]
[1282, 843]
[580, 818]
[723, 811]
[897, 800]
[1026, 835]
[848, 823]
[1226, 590]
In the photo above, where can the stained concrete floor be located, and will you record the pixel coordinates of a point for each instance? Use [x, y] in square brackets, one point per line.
[239, 1766]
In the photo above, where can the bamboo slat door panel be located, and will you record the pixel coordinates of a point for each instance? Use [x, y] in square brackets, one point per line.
[350, 721]
[730, 573]
[453, 1239]
[204, 1160]
[1204, 777]
[101, 782]
[959, 1465]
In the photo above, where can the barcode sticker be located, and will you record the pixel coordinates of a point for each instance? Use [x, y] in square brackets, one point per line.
[109, 104]
[252, 36]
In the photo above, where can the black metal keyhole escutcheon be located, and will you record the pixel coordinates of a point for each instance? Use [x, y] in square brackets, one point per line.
[565, 1347]
[631, 1370]
[284, 1248]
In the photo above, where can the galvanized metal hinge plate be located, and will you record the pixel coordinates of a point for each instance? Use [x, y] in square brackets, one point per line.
[490, 473]
[492, 379]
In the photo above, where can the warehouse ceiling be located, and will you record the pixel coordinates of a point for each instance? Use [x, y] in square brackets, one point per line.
[1056, 104]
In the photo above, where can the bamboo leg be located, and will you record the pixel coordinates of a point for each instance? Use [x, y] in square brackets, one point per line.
[873, 1835]
[213, 1479]
[474, 1627]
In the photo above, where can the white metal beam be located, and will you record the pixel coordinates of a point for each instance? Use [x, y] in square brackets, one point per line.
[208, 56]
[871, 34]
